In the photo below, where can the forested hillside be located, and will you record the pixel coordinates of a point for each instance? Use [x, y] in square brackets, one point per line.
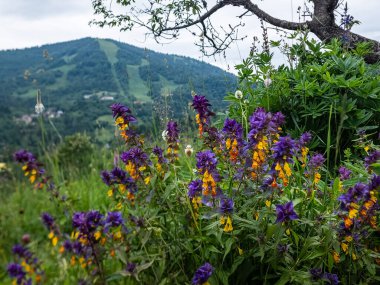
[79, 79]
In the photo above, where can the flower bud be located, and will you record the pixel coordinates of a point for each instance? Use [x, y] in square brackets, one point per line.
[267, 82]
[189, 150]
[238, 94]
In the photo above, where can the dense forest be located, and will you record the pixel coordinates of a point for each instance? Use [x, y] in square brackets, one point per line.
[79, 79]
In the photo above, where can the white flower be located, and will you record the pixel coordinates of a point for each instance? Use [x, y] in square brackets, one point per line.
[189, 150]
[238, 94]
[267, 82]
[39, 108]
[165, 135]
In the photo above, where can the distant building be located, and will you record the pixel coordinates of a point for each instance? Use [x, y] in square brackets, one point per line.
[107, 98]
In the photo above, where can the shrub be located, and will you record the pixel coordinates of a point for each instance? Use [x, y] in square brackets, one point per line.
[324, 89]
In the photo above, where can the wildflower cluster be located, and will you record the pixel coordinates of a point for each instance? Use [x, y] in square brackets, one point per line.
[33, 169]
[233, 139]
[248, 202]
[359, 209]
[27, 268]
[51, 226]
[123, 118]
[172, 139]
[201, 105]
[94, 236]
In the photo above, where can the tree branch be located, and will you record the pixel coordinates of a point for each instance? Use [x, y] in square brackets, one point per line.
[272, 20]
[200, 20]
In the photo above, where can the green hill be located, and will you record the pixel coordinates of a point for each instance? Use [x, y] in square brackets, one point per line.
[79, 79]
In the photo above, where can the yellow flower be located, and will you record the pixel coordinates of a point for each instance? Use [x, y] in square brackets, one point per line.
[110, 193]
[51, 235]
[352, 213]
[119, 206]
[336, 257]
[348, 238]
[344, 246]
[228, 143]
[122, 188]
[54, 241]
[268, 203]
[354, 257]
[317, 177]
[32, 178]
[97, 235]
[228, 227]
[147, 180]
[117, 235]
[287, 169]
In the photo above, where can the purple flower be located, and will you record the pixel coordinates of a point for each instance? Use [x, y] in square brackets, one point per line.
[195, 188]
[68, 246]
[316, 273]
[23, 156]
[106, 177]
[157, 151]
[283, 149]
[206, 160]
[93, 219]
[119, 176]
[331, 278]
[201, 105]
[87, 222]
[119, 110]
[344, 173]
[15, 270]
[264, 122]
[285, 212]
[375, 183]
[233, 129]
[136, 156]
[226, 206]
[114, 219]
[373, 157]
[305, 139]
[47, 220]
[360, 192]
[202, 274]
[131, 267]
[21, 251]
[172, 132]
[278, 119]
[316, 161]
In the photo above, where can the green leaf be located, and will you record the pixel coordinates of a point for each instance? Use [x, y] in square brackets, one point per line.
[228, 246]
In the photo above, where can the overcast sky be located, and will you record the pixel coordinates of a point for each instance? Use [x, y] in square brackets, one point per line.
[27, 23]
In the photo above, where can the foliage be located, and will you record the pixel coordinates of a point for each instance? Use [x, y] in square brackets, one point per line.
[249, 206]
[325, 89]
[75, 153]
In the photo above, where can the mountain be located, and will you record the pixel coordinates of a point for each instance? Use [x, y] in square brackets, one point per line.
[79, 79]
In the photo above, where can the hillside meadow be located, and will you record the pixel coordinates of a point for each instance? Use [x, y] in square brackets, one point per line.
[280, 187]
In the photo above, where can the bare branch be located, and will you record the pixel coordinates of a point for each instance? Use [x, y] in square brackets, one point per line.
[200, 20]
[272, 20]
